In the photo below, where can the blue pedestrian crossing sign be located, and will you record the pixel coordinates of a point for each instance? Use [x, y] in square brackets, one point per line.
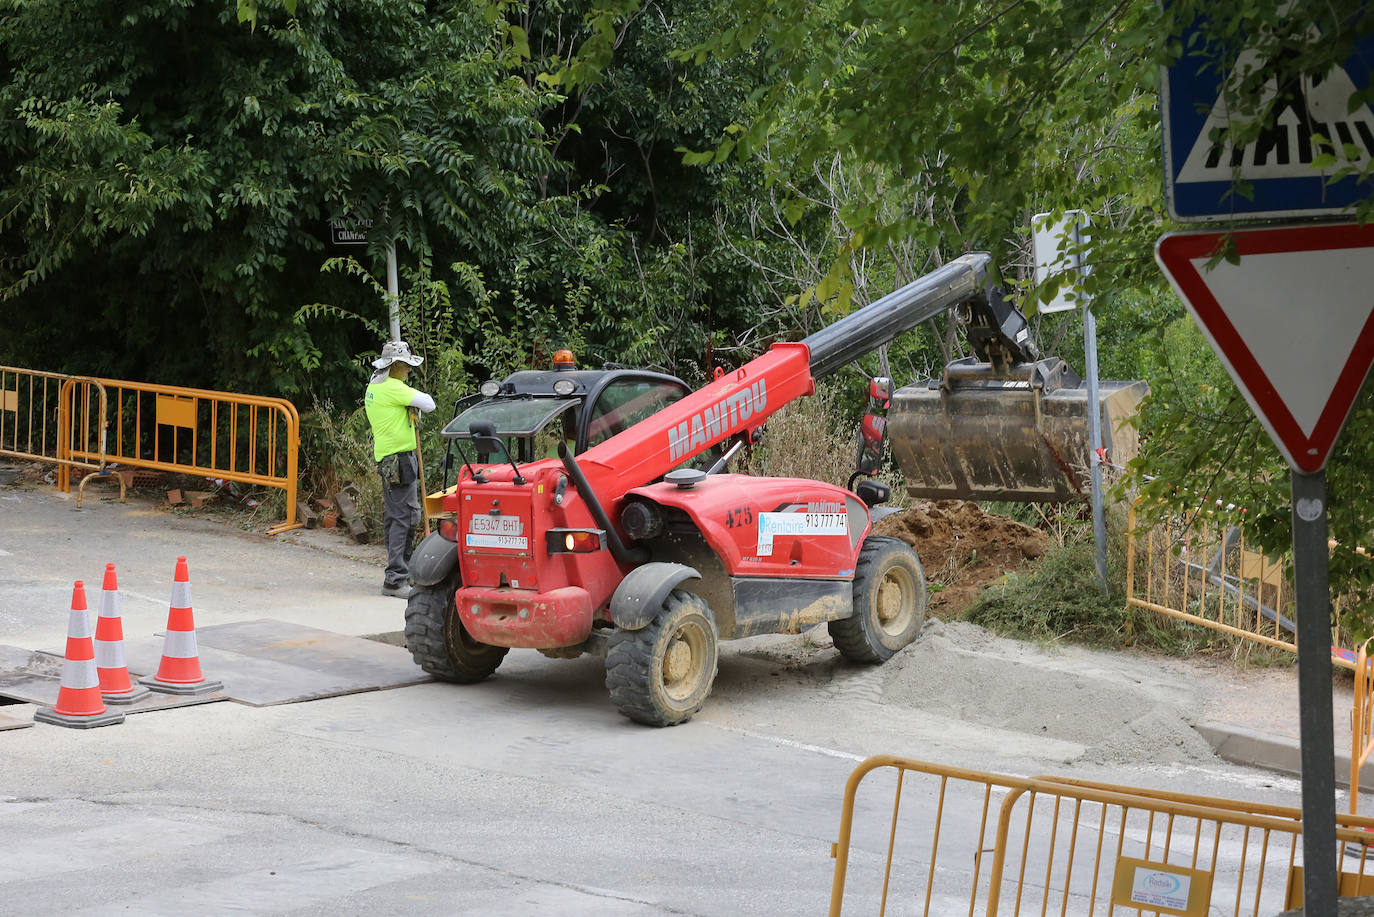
[1200, 173]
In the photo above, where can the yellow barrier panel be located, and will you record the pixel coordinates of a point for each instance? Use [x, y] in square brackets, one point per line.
[1361, 721]
[958, 841]
[35, 413]
[67, 420]
[245, 438]
[1199, 569]
[1355, 831]
[950, 863]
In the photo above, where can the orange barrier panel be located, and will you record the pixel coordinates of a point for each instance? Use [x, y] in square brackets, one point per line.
[35, 415]
[1198, 568]
[1361, 727]
[85, 422]
[245, 438]
[938, 840]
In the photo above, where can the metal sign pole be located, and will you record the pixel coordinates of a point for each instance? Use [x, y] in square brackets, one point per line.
[1312, 591]
[1095, 445]
[1061, 247]
[1080, 238]
[393, 292]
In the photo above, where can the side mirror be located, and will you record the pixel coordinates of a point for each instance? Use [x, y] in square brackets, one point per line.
[484, 434]
[873, 492]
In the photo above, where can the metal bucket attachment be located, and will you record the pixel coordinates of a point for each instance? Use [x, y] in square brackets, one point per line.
[1020, 435]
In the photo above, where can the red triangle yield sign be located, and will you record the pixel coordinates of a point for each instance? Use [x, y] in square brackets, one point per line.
[1293, 322]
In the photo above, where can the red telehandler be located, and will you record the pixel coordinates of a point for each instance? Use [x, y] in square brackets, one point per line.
[634, 542]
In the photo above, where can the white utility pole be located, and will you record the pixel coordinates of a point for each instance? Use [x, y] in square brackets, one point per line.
[393, 292]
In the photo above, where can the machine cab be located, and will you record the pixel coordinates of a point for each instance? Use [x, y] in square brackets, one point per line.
[533, 410]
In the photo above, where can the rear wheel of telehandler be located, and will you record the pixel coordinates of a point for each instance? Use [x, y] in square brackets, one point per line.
[661, 674]
[437, 640]
[889, 602]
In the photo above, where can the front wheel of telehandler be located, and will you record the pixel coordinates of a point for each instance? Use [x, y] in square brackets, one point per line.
[438, 642]
[889, 602]
[661, 674]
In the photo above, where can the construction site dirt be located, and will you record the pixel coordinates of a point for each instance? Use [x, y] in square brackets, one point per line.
[527, 793]
[962, 548]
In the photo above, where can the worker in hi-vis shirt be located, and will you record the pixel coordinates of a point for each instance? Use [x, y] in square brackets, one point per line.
[391, 407]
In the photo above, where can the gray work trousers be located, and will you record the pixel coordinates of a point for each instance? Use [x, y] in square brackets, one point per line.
[401, 513]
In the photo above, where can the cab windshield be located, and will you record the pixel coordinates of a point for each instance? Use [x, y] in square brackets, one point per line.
[510, 416]
[531, 428]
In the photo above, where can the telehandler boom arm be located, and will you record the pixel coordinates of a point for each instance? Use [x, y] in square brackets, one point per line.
[739, 402]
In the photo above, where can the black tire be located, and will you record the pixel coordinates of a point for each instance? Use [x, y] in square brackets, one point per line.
[889, 602]
[438, 642]
[661, 674]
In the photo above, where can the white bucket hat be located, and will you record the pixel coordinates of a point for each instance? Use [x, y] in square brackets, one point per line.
[393, 351]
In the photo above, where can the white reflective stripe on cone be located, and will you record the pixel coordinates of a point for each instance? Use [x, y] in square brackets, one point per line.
[80, 673]
[109, 654]
[181, 595]
[180, 644]
[79, 624]
[109, 604]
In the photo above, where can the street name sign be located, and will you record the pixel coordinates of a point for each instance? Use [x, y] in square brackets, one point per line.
[1293, 321]
[1200, 174]
[349, 232]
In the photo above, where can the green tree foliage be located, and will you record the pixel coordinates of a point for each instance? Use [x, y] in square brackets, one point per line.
[177, 197]
[172, 175]
[1005, 107]
[712, 254]
[1002, 108]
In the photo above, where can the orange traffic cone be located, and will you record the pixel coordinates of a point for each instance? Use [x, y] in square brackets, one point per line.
[115, 686]
[78, 698]
[179, 671]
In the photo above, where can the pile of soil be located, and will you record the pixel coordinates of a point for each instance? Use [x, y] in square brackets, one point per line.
[962, 548]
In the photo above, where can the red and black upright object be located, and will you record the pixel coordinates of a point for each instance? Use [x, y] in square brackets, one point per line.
[593, 512]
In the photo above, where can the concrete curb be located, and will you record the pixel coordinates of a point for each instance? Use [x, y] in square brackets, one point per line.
[1276, 753]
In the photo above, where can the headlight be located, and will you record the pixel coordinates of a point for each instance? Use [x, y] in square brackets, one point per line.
[564, 387]
[490, 389]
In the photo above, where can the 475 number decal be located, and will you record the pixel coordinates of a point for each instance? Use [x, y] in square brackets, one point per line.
[742, 515]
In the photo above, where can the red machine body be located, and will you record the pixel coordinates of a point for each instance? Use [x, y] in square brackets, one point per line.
[515, 593]
[791, 527]
[634, 548]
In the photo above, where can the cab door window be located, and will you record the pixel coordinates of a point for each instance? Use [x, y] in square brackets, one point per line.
[626, 402]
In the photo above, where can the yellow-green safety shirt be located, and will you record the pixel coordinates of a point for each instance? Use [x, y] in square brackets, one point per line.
[386, 403]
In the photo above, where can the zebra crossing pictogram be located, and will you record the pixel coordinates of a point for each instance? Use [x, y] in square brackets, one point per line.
[1310, 110]
[1282, 172]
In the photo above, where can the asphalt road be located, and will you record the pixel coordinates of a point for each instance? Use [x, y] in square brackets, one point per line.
[526, 794]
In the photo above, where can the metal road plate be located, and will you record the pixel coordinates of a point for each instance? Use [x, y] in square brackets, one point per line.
[9, 722]
[260, 662]
[367, 663]
[36, 677]
[266, 662]
[251, 676]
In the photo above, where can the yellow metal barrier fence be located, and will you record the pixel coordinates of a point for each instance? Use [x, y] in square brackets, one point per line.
[969, 842]
[1361, 721]
[1199, 569]
[35, 419]
[245, 438]
[85, 422]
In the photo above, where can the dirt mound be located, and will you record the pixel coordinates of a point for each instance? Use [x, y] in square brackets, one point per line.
[1118, 709]
[962, 548]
